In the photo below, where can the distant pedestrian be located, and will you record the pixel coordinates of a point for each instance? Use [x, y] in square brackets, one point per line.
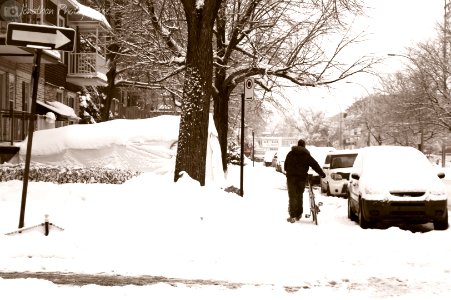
[296, 167]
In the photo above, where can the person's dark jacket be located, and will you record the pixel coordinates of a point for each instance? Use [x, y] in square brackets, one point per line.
[298, 161]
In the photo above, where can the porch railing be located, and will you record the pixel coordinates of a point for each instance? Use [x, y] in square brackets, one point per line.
[13, 125]
[86, 64]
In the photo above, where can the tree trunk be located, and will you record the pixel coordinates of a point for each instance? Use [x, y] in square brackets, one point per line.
[111, 79]
[221, 99]
[193, 134]
[221, 118]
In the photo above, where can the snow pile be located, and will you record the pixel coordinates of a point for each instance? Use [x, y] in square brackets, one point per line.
[144, 145]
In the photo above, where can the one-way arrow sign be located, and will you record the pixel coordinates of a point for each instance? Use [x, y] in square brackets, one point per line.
[40, 36]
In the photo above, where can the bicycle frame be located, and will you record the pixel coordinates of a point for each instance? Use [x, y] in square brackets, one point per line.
[314, 208]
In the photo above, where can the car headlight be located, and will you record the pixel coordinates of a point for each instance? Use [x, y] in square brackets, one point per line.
[438, 194]
[374, 192]
[336, 176]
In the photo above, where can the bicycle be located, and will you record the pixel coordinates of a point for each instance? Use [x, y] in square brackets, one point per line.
[314, 208]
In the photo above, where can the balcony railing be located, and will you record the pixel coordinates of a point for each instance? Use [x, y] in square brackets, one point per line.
[86, 64]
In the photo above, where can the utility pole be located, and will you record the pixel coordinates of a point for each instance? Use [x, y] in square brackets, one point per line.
[445, 71]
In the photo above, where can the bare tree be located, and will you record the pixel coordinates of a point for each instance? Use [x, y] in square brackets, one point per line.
[420, 105]
[429, 74]
[280, 42]
[312, 125]
[370, 114]
[267, 39]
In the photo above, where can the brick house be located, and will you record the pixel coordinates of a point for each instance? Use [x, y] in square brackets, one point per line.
[62, 74]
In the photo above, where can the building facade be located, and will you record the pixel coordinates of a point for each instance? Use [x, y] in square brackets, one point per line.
[62, 74]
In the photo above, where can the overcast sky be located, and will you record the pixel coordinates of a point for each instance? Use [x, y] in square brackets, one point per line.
[390, 26]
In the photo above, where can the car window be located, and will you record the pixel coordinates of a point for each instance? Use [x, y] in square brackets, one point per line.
[327, 161]
[343, 161]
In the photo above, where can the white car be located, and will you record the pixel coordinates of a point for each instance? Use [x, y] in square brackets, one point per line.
[282, 153]
[396, 184]
[269, 157]
[337, 167]
[319, 154]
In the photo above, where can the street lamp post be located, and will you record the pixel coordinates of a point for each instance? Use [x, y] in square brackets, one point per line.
[368, 140]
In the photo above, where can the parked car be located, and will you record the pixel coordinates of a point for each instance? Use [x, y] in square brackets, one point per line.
[269, 157]
[259, 155]
[396, 184]
[282, 153]
[319, 154]
[337, 167]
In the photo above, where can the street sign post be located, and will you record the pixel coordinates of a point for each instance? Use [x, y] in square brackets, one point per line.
[247, 95]
[249, 89]
[40, 36]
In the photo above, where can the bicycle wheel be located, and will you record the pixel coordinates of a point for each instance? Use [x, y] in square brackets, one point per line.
[313, 207]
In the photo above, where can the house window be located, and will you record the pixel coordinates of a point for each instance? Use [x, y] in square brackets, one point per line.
[11, 87]
[59, 96]
[3, 98]
[51, 12]
[71, 101]
[3, 25]
[33, 14]
[25, 95]
[63, 54]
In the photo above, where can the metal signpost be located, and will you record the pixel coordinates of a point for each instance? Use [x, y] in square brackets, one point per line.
[247, 95]
[38, 37]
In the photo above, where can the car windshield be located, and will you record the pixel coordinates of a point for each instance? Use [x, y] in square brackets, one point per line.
[343, 161]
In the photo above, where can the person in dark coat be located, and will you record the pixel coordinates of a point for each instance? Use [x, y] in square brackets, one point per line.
[296, 166]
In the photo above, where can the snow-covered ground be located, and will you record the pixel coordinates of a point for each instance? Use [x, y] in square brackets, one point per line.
[153, 226]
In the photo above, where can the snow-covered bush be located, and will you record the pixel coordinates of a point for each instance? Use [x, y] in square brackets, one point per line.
[46, 173]
[89, 110]
[233, 153]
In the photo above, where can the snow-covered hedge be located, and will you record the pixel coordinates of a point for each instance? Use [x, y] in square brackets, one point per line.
[39, 172]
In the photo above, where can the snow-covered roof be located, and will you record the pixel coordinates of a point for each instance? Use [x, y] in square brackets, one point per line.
[59, 108]
[86, 13]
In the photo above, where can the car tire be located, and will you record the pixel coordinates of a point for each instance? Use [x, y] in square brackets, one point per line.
[364, 224]
[351, 213]
[441, 224]
[328, 191]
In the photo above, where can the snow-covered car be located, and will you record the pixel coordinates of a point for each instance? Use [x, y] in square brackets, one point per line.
[269, 157]
[337, 166]
[396, 185]
[282, 153]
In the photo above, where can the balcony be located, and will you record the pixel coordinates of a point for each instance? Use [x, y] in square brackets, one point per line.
[87, 69]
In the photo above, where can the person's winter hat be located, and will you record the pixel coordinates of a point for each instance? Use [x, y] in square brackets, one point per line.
[301, 143]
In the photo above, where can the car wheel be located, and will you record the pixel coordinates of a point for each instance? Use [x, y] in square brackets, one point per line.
[351, 213]
[364, 224]
[441, 224]
[328, 191]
